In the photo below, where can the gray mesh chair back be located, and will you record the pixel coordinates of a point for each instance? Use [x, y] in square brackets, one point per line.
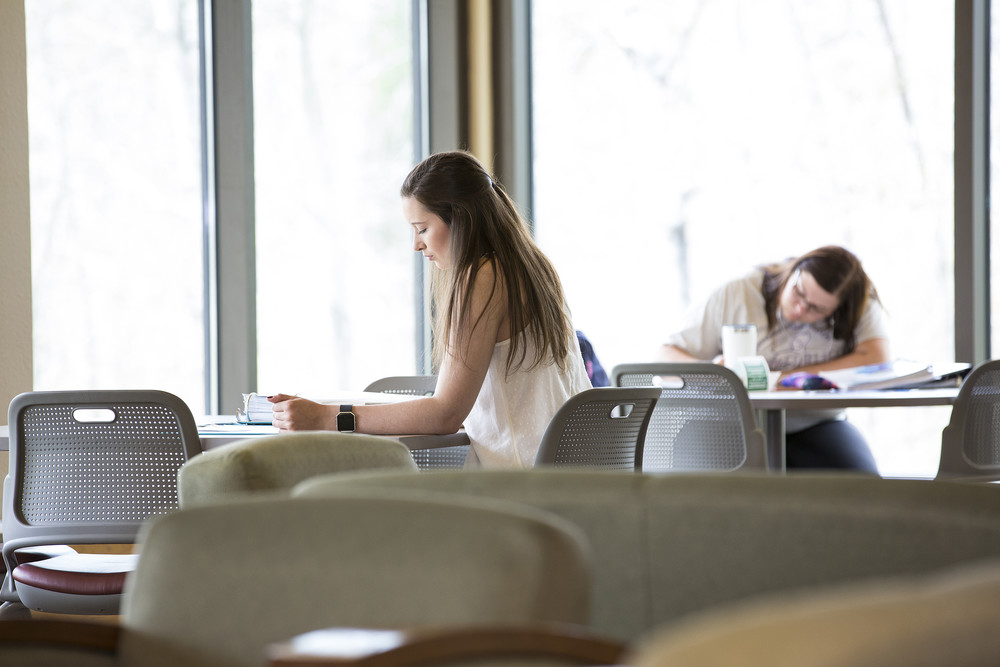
[422, 385]
[599, 428]
[89, 467]
[970, 444]
[703, 420]
[409, 385]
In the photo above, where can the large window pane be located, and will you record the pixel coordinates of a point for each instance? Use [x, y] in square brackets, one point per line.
[333, 116]
[678, 144]
[116, 220]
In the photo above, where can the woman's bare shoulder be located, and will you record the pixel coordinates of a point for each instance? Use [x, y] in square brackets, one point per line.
[488, 276]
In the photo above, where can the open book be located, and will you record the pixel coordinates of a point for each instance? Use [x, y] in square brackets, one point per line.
[256, 409]
[899, 374]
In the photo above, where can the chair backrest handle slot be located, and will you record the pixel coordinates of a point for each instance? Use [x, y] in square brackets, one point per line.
[668, 381]
[94, 415]
[622, 410]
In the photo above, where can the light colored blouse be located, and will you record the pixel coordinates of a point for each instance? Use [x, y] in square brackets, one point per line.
[511, 413]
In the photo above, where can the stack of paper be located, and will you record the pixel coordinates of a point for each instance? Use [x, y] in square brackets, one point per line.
[256, 409]
[899, 374]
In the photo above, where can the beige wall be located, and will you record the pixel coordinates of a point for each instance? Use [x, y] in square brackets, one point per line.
[15, 242]
[15, 247]
[481, 82]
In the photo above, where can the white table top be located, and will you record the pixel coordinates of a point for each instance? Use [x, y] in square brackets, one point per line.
[776, 404]
[836, 399]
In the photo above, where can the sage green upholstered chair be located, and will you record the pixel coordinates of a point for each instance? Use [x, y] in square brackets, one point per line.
[668, 546]
[279, 462]
[217, 583]
[608, 506]
[946, 618]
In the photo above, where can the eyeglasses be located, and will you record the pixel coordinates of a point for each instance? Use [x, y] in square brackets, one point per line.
[800, 296]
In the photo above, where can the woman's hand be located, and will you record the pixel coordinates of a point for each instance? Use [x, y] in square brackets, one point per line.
[291, 413]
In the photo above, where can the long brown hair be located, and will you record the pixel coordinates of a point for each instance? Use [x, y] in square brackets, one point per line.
[486, 227]
[839, 272]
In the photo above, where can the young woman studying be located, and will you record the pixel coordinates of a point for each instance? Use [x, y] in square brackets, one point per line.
[505, 348]
[816, 312]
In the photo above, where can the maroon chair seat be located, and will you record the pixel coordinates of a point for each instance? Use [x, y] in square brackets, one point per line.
[95, 580]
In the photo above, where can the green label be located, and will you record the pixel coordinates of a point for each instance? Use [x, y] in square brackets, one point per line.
[756, 375]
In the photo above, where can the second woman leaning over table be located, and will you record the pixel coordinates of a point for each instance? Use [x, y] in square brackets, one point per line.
[816, 312]
[505, 347]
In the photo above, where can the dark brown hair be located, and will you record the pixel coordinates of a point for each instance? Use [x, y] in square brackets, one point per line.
[839, 272]
[486, 227]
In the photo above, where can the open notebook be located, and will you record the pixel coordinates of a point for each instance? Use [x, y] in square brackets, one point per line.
[899, 374]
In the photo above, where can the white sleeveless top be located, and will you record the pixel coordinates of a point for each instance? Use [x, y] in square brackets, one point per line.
[506, 424]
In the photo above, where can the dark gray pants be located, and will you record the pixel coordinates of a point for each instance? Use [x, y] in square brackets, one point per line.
[834, 444]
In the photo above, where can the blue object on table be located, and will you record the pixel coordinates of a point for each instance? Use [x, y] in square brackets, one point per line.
[808, 381]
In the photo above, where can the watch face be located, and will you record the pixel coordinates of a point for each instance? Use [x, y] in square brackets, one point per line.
[345, 421]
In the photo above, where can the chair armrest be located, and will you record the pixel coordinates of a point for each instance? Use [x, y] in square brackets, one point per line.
[55, 634]
[373, 647]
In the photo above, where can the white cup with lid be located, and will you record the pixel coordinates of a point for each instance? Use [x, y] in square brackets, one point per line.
[738, 340]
